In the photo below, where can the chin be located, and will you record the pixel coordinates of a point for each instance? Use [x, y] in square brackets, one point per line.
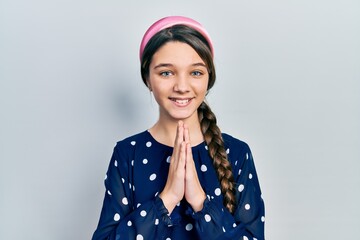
[183, 116]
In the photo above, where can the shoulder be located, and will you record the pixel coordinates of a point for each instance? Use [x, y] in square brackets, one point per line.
[129, 143]
[236, 148]
[235, 143]
[133, 139]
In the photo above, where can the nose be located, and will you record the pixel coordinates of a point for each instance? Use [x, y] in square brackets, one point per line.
[181, 84]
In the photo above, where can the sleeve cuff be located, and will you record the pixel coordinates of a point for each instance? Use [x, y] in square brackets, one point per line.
[201, 213]
[162, 212]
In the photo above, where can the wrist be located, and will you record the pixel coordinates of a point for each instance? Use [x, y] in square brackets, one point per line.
[198, 205]
[169, 202]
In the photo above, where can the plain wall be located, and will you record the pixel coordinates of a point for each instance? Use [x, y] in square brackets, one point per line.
[288, 84]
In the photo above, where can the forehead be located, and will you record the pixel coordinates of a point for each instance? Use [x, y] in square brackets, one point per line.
[176, 53]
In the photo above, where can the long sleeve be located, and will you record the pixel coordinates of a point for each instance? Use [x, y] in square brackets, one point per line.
[120, 218]
[247, 222]
[137, 173]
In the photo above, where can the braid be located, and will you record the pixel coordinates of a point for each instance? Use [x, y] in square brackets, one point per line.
[217, 152]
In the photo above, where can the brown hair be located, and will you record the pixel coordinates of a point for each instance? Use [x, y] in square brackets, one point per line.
[209, 128]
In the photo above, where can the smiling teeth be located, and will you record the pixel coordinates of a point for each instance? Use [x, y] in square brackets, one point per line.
[182, 101]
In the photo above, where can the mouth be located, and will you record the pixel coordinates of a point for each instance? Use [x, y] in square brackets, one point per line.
[181, 101]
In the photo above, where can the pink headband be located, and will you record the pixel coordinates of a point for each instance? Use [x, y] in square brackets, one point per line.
[169, 22]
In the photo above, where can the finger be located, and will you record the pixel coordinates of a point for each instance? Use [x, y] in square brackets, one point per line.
[189, 158]
[178, 140]
[182, 158]
[180, 133]
[186, 134]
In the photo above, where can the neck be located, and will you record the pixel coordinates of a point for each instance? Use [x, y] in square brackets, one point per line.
[164, 130]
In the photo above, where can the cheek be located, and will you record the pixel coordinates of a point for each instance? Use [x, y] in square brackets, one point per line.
[160, 91]
[202, 86]
[159, 86]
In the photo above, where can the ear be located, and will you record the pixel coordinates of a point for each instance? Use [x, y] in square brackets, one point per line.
[148, 85]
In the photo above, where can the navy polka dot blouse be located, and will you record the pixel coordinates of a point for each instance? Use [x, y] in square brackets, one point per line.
[137, 174]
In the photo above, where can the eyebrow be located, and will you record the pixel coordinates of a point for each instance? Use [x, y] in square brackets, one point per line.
[163, 65]
[171, 65]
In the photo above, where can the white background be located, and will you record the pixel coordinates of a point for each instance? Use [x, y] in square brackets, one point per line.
[288, 84]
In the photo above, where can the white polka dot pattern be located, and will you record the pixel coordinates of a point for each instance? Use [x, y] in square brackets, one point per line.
[147, 162]
[203, 168]
[116, 217]
[217, 192]
[189, 227]
[143, 213]
[152, 177]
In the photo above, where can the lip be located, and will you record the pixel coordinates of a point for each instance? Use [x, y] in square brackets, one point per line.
[181, 102]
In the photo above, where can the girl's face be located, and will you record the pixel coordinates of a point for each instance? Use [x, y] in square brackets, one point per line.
[178, 78]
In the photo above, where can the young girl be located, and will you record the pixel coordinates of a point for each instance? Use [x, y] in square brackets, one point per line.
[182, 178]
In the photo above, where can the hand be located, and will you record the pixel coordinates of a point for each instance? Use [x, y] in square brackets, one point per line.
[194, 193]
[174, 188]
[182, 178]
